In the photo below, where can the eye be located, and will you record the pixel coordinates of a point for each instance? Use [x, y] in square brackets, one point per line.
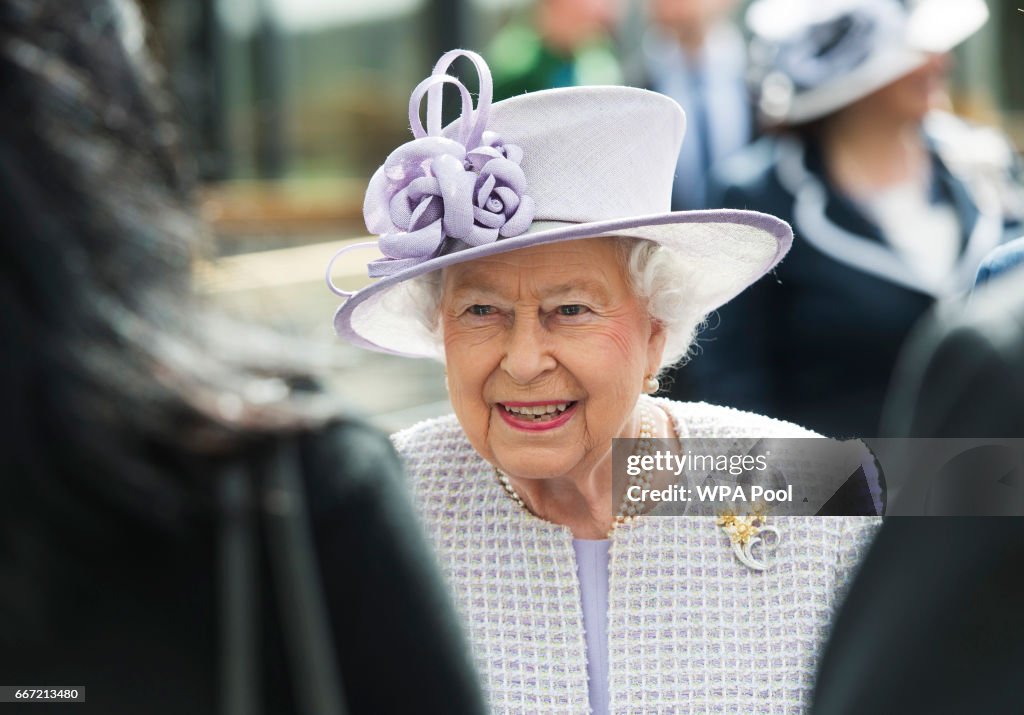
[481, 310]
[571, 310]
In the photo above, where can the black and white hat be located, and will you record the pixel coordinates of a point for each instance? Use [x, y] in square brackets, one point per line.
[812, 57]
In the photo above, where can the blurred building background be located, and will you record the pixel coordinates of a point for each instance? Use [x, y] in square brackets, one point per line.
[290, 105]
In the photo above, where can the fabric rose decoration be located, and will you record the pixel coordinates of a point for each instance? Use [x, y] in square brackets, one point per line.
[431, 188]
[434, 188]
[501, 203]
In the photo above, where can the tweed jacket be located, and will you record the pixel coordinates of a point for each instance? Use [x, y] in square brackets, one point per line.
[690, 628]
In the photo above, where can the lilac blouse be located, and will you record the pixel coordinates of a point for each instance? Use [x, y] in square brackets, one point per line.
[592, 570]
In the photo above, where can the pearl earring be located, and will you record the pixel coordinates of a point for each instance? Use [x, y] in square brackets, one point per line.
[651, 385]
[446, 383]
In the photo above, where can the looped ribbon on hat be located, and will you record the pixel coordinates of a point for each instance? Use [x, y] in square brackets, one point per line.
[434, 188]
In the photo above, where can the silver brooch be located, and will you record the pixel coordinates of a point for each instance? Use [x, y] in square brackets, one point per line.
[749, 532]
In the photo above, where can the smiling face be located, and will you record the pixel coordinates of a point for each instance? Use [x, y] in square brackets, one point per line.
[553, 329]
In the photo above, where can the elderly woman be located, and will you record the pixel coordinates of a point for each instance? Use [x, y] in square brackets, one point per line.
[529, 246]
[893, 204]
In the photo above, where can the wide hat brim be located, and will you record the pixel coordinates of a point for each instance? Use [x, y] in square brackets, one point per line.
[725, 250]
[932, 27]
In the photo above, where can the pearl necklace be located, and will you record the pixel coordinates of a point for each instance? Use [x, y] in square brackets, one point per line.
[627, 510]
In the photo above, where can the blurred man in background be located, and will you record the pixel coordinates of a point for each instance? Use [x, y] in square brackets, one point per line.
[695, 54]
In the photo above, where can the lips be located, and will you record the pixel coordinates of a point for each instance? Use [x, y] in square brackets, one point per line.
[534, 416]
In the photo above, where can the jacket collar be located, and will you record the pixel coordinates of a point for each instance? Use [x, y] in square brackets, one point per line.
[840, 210]
[834, 225]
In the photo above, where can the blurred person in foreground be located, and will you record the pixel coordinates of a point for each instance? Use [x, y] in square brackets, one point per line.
[560, 43]
[182, 530]
[694, 54]
[530, 246]
[933, 621]
[893, 205]
[962, 372]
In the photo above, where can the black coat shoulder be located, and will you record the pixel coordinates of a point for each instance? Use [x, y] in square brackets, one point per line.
[347, 459]
[391, 616]
[133, 612]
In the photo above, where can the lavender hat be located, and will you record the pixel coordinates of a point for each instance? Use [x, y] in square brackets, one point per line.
[813, 57]
[549, 166]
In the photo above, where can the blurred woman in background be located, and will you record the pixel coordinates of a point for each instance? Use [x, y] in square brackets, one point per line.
[182, 529]
[893, 205]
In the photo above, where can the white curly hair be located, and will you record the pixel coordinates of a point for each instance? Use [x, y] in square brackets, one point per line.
[660, 277]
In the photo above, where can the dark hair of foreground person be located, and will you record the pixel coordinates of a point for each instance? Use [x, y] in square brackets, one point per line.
[180, 508]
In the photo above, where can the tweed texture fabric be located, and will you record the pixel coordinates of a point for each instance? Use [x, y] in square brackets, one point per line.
[690, 628]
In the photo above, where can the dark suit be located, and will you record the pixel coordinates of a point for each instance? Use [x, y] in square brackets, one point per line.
[934, 621]
[712, 90]
[815, 342]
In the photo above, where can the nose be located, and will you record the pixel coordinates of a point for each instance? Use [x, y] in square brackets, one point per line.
[528, 350]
